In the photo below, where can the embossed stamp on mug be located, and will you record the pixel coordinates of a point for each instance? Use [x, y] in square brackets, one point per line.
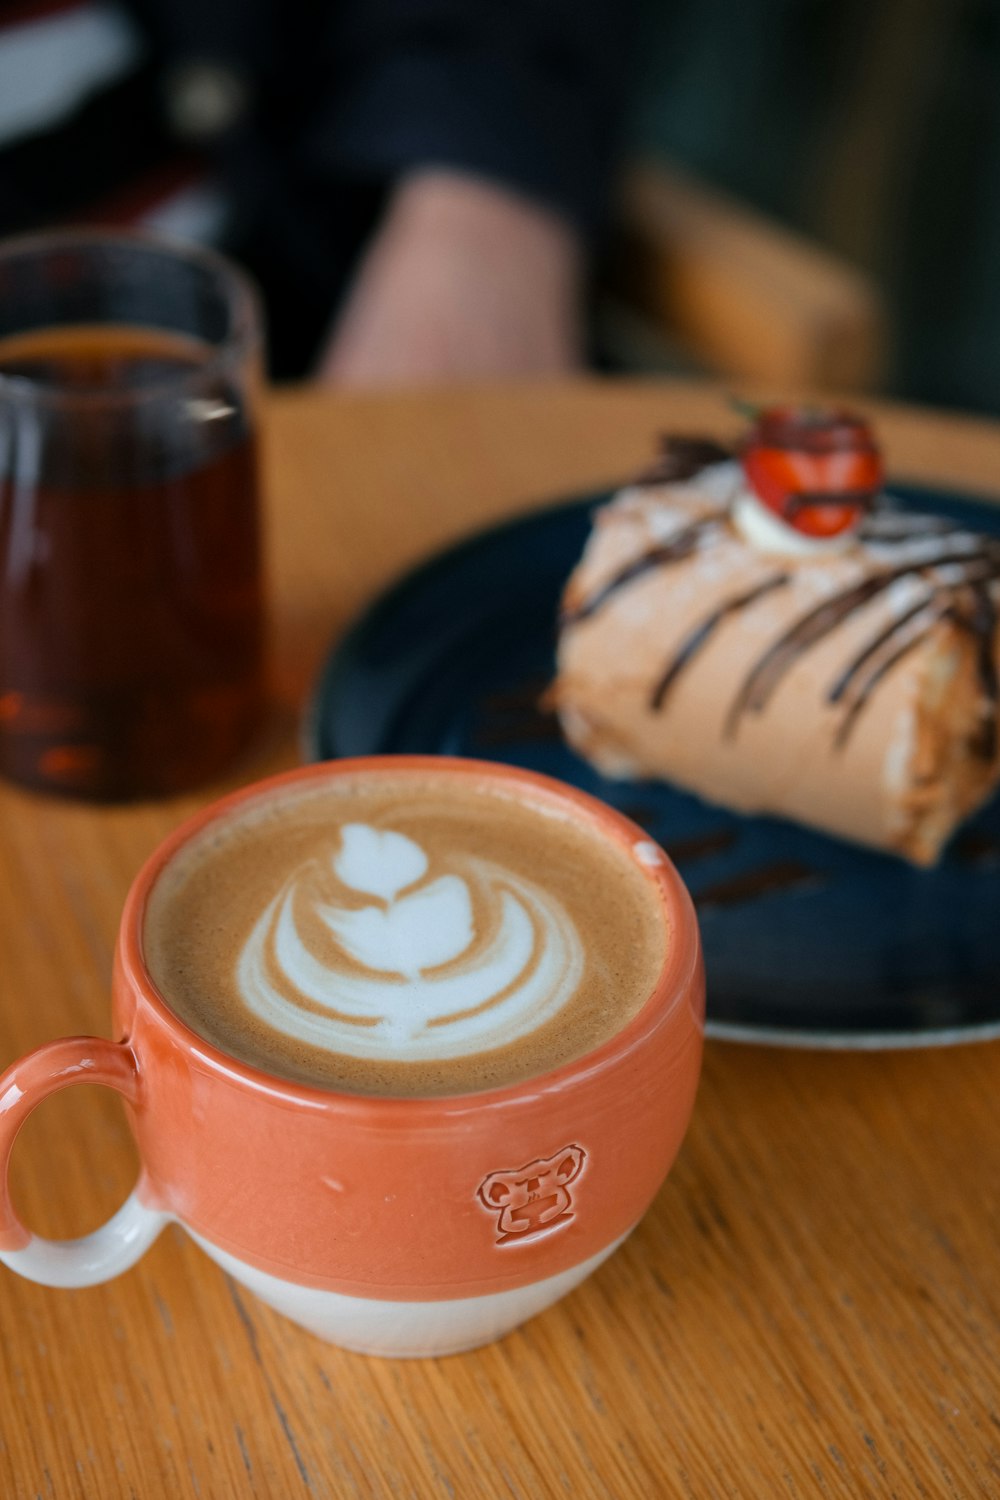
[534, 1199]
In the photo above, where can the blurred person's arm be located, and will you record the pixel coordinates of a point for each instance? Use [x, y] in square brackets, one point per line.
[463, 279]
[496, 123]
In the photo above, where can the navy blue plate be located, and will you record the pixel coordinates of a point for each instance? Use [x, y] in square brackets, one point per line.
[808, 940]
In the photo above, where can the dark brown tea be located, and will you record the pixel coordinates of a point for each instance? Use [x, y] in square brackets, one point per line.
[131, 603]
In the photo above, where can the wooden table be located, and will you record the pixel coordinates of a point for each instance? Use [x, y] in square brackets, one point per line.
[810, 1307]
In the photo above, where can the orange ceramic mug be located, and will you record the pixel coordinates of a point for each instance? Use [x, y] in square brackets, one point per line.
[389, 1225]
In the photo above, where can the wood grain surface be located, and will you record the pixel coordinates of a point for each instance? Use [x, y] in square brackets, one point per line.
[812, 1304]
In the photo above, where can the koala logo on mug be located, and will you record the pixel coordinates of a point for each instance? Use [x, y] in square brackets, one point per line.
[533, 1199]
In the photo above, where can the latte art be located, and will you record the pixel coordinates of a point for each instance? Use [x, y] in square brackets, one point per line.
[404, 933]
[442, 967]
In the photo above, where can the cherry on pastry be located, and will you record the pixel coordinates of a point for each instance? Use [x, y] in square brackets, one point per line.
[817, 468]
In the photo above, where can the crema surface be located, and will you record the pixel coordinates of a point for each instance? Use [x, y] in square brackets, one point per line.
[404, 934]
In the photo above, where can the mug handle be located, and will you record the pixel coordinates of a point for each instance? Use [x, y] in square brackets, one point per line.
[127, 1235]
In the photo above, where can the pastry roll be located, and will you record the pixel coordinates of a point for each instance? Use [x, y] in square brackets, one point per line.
[842, 672]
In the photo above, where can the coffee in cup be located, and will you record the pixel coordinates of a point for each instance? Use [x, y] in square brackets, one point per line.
[405, 935]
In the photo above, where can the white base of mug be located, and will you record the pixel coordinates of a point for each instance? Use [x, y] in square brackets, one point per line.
[404, 1330]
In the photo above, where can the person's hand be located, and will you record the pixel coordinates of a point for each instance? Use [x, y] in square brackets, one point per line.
[463, 280]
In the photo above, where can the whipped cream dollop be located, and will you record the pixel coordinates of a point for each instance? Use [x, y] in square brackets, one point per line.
[726, 485]
[762, 529]
[438, 964]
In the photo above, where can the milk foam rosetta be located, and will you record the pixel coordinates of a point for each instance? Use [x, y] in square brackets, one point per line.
[392, 934]
[439, 965]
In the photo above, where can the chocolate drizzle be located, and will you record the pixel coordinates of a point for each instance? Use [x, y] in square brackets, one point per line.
[683, 458]
[809, 499]
[680, 546]
[849, 720]
[525, 712]
[977, 846]
[873, 647]
[700, 845]
[781, 875]
[979, 566]
[702, 633]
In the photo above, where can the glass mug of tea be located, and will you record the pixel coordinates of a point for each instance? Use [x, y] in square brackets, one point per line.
[131, 610]
[407, 1044]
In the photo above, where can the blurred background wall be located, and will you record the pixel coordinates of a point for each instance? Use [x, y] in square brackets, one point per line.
[869, 127]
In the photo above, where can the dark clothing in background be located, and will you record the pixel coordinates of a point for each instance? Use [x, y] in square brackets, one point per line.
[294, 119]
